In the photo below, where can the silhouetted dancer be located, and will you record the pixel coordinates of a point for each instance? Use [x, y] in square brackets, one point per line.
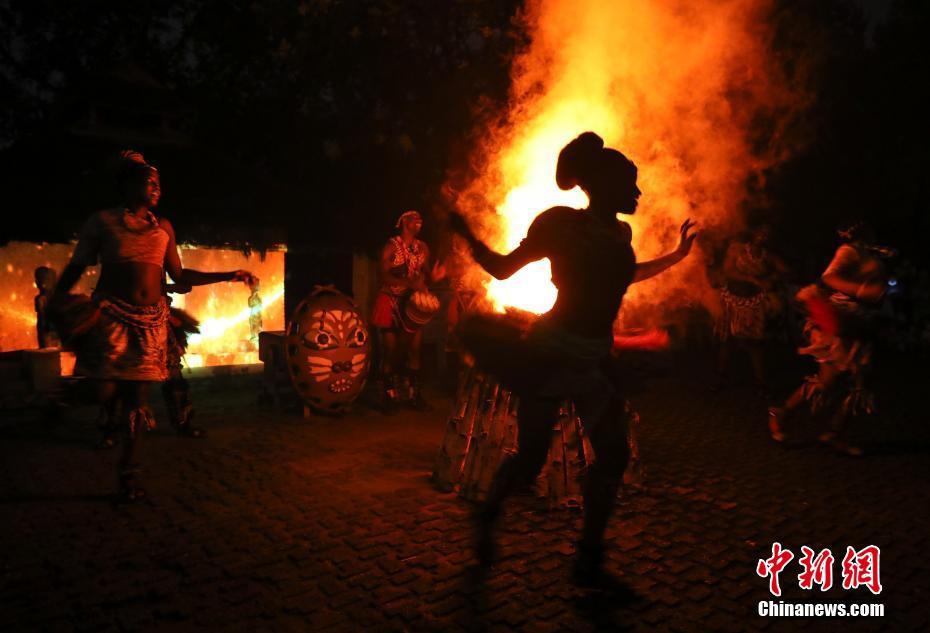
[566, 352]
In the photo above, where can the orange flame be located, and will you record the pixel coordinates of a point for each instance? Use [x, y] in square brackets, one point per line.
[674, 84]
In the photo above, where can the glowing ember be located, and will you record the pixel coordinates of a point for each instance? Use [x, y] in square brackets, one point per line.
[673, 84]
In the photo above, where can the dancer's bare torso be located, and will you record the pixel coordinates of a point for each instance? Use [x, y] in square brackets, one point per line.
[137, 283]
[132, 249]
[592, 265]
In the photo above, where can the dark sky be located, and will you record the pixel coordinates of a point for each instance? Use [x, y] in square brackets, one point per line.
[875, 12]
[393, 93]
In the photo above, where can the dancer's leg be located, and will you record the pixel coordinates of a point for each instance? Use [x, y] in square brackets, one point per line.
[839, 421]
[795, 400]
[535, 418]
[608, 435]
[137, 416]
[414, 352]
[389, 351]
[176, 393]
[413, 344]
[389, 367]
[814, 387]
[110, 412]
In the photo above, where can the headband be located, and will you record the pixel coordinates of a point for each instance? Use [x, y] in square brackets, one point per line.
[405, 215]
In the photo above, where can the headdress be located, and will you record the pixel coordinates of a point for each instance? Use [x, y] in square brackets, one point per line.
[405, 215]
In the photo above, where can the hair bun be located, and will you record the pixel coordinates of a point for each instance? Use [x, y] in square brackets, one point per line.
[577, 158]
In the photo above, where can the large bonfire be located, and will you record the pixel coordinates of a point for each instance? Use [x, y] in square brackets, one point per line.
[674, 84]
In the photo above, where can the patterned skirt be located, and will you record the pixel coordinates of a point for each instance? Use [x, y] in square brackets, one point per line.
[126, 342]
[743, 317]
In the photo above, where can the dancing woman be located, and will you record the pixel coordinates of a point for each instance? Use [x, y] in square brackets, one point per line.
[842, 314]
[121, 334]
[751, 271]
[565, 354]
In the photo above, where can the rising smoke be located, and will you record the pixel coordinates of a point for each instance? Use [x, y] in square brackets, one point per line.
[679, 86]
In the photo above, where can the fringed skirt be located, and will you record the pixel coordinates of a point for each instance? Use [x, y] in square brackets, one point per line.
[535, 359]
[839, 332]
[124, 342]
[743, 317]
[180, 326]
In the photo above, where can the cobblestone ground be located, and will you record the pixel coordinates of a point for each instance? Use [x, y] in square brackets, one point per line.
[279, 523]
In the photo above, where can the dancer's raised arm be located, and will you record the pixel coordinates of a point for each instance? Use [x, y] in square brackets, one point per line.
[651, 268]
[189, 276]
[497, 265]
[840, 275]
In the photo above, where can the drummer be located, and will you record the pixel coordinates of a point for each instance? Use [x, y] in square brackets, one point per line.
[405, 272]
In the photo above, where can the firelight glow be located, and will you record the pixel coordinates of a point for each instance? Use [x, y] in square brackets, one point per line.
[673, 84]
[219, 329]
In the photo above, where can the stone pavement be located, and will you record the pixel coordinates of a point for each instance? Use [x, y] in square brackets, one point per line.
[280, 523]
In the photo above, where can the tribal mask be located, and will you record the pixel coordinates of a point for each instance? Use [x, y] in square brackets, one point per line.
[328, 350]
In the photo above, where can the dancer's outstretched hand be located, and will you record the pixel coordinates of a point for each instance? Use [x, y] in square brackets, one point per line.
[687, 238]
[245, 277]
